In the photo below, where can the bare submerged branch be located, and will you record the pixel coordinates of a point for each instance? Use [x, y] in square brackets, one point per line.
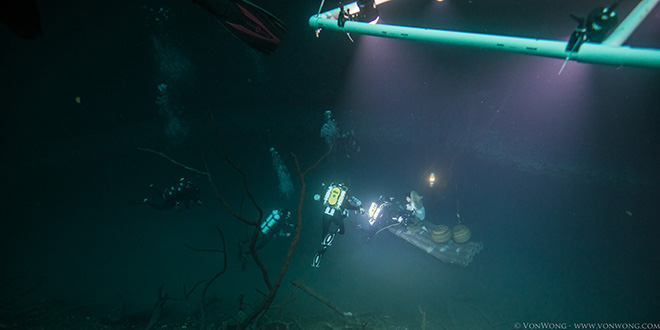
[265, 303]
[243, 175]
[174, 161]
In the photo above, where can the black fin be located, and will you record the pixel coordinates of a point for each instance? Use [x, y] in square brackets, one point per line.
[256, 27]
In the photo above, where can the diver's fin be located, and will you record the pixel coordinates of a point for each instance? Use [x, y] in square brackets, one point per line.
[327, 240]
[256, 27]
[316, 261]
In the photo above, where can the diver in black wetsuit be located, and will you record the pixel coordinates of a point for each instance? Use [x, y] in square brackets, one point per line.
[182, 193]
[594, 28]
[279, 222]
[387, 211]
[337, 206]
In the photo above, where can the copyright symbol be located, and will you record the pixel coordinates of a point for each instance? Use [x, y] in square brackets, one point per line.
[516, 325]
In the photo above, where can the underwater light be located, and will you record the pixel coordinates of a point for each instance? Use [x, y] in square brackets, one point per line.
[431, 179]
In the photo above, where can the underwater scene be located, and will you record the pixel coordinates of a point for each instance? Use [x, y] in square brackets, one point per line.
[216, 164]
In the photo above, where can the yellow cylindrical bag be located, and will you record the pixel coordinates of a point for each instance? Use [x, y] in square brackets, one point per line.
[415, 229]
[461, 234]
[441, 234]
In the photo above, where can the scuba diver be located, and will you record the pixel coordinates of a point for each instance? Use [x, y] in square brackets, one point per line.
[387, 212]
[415, 205]
[337, 206]
[181, 193]
[278, 222]
[256, 27]
[367, 13]
[384, 213]
[594, 28]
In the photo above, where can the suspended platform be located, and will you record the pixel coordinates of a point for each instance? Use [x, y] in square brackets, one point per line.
[450, 252]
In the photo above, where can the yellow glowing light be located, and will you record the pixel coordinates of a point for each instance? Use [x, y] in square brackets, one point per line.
[431, 179]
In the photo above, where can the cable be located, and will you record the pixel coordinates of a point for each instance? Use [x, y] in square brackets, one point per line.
[392, 225]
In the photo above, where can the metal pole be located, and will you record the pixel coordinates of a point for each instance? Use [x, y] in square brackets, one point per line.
[628, 26]
[589, 52]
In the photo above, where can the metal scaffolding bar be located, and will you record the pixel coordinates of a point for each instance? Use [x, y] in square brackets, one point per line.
[589, 52]
[632, 21]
